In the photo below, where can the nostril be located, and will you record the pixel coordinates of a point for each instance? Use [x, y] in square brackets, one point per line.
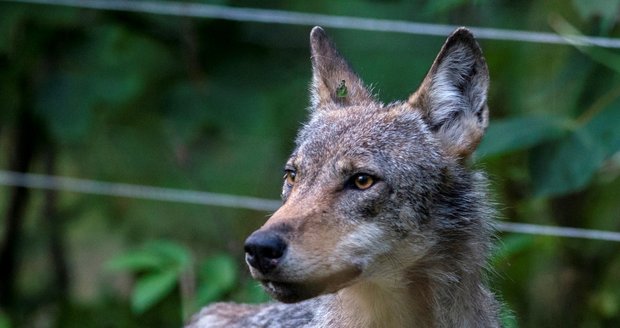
[265, 245]
[264, 249]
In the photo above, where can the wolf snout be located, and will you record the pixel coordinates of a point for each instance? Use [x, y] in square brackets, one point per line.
[264, 250]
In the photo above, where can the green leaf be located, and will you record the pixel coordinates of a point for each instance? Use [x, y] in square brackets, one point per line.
[566, 165]
[341, 90]
[120, 63]
[4, 320]
[604, 128]
[605, 10]
[157, 255]
[174, 254]
[135, 261]
[569, 164]
[218, 276]
[598, 54]
[519, 133]
[111, 71]
[152, 288]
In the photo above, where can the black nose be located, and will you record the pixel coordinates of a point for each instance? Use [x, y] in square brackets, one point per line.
[263, 250]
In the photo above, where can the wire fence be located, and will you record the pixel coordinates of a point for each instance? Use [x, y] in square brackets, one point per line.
[189, 9]
[200, 10]
[38, 181]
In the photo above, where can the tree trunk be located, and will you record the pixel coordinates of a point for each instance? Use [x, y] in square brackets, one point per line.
[54, 224]
[21, 158]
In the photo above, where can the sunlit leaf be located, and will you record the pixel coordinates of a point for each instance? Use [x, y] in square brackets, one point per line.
[152, 288]
[519, 133]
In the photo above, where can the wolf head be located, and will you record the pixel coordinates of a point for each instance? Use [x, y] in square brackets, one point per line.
[372, 190]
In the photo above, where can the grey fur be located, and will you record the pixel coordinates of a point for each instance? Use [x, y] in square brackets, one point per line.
[408, 251]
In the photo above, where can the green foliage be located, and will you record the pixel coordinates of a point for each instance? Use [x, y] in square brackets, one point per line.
[217, 277]
[151, 288]
[510, 246]
[605, 9]
[341, 91]
[106, 73]
[557, 164]
[252, 292]
[214, 105]
[507, 317]
[4, 321]
[598, 54]
[508, 135]
[445, 5]
[159, 265]
[560, 167]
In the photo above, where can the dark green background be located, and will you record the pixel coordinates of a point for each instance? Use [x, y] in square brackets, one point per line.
[214, 105]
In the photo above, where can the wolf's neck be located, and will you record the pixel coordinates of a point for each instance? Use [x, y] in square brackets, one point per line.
[419, 299]
[367, 304]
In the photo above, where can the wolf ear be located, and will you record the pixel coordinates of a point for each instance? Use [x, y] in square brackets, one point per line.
[333, 80]
[453, 96]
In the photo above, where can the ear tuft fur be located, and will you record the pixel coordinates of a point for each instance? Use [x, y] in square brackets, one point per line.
[331, 73]
[453, 96]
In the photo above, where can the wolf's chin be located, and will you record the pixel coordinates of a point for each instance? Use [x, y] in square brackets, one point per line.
[289, 292]
[293, 292]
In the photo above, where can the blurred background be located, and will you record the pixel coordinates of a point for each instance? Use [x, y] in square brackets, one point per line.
[207, 108]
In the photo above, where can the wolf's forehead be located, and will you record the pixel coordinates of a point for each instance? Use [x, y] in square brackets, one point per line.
[360, 132]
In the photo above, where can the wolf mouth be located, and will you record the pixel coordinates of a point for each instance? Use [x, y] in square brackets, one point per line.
[287, 292]
[292, 292]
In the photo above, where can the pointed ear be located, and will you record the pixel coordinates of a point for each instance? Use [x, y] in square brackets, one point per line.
[453, 96]
[333, 80]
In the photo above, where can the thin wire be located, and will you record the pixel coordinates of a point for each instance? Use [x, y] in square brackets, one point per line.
[189, 9]
[535, 229]
[294, 18]
[38, 181]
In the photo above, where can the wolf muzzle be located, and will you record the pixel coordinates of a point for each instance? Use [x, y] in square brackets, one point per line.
[264, 250]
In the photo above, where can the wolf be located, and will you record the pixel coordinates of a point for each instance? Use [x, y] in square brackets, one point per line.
[383, 222]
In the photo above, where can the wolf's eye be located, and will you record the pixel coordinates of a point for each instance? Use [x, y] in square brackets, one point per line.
[289, 177]
[363, 181]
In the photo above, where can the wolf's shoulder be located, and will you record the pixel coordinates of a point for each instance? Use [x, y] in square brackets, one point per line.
[272, 315]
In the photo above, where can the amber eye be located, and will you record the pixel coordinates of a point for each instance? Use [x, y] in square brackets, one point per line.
[363, 181]
[289, 177]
